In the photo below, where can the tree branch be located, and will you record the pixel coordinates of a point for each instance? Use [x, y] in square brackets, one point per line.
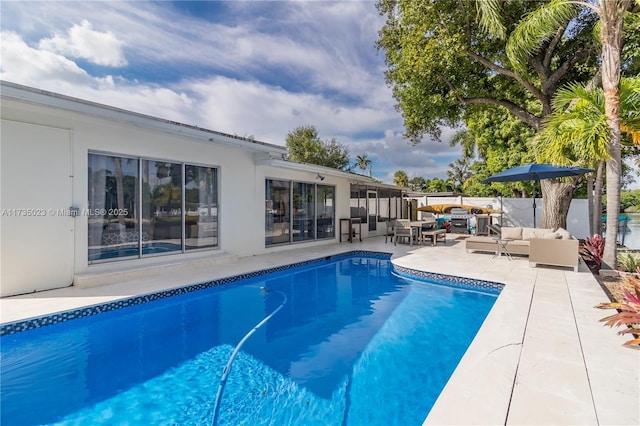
[557, 38]
[551, 83]
[506, 72]
[532, 120]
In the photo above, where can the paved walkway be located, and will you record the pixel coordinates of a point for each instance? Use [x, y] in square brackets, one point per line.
[540, 358]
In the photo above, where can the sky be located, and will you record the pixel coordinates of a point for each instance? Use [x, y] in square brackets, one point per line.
[249, 68]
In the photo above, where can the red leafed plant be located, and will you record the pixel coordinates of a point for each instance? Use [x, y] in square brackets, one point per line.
[628, 311]
[592, 250]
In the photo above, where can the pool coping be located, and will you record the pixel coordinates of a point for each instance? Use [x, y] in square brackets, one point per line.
[22, 325]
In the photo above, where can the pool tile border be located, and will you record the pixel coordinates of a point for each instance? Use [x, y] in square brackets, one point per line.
[43, 321]
[462, 282]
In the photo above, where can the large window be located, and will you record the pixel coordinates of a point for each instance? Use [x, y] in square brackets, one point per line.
[140, 207]
[298, 211]
[389, 203]
[358, 202]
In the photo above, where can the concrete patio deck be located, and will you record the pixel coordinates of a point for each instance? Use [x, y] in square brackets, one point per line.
[540, 358]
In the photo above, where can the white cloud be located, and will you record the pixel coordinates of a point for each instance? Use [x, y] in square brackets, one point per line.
[25, 65]
[262, 71]
[269, 112]
[82, 41]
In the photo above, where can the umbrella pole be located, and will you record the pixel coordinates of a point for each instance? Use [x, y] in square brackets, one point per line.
[534, 204]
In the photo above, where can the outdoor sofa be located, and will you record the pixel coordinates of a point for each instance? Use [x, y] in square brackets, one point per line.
[545, 246]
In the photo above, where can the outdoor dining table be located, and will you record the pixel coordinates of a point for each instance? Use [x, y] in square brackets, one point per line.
[420, 224]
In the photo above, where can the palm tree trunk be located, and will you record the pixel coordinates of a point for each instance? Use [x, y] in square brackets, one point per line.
[597, 200]
[590, 204]
[612, 17]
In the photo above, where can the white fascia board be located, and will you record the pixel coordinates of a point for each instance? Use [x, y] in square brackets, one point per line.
[44, 98]
[313, 168]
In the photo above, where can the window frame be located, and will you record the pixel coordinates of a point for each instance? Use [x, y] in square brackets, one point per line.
[139, 208]
[311, 224]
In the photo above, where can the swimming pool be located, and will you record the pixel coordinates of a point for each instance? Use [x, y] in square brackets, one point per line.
[358, 342]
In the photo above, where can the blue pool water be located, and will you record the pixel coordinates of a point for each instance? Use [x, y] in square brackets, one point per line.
[111, 252]
[355, 344]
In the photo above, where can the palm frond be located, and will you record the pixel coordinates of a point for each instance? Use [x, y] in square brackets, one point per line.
[630, 108]
[490, 19]
[536, 28]
[567, 96]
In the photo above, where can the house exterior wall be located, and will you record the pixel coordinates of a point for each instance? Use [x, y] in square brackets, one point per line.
[241, 211]
[36, 177]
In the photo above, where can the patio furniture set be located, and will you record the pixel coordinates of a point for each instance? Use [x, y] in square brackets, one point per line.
[545, 246]
[418, 231]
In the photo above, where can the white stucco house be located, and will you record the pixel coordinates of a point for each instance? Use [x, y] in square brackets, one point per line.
[92, 194]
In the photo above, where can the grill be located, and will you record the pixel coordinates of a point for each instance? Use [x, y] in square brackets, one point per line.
[460, 220]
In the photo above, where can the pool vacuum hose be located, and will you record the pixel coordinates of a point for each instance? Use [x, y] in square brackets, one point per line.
[227, 368]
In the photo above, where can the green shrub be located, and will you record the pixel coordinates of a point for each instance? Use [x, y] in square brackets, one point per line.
[628, 262]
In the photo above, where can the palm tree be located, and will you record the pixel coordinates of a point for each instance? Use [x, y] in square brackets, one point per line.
[459, 171]
[400, 178]
[363, 162]
[577, 132]
[541, 25]
[611, 15]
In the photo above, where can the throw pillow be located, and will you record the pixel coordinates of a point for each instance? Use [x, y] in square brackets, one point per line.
[551, 236]
[564, 234]
[514, 233]
[528, 233]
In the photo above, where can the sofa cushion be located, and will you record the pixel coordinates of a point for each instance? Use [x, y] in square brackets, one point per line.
[528, 233]
[551, 236]
[563, 233]
[521, 243]
[481, 239]
[510, 233]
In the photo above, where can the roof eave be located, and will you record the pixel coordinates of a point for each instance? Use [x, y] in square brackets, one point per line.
[41, 97]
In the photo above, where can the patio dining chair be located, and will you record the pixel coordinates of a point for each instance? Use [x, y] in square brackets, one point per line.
[403, 229]
[496, 229]
[389, 232]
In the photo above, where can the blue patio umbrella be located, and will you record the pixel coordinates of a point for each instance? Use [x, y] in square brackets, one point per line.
[536, 172]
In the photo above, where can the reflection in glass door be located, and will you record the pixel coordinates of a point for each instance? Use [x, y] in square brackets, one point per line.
[161, 206]
[303, 211]
[201, 207]
[278, 211]
[372, 209]
[325, 211]
[113, 205]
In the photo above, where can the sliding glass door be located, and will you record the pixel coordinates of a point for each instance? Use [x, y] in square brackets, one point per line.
[298, 211]
[140, 207]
